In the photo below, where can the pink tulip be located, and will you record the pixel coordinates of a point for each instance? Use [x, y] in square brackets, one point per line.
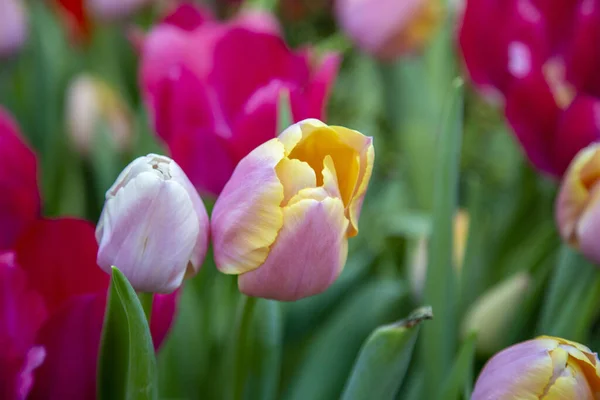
[283, 220]
[546, 367]
[212, 88]
[541, 59]
[20, 201]
[389, 28]
[22, 312]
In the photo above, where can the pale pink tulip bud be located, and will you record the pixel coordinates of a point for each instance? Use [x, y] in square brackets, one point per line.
[90, 103]
[13, 26]
[546, 367]
[283, 220]
[154, 226]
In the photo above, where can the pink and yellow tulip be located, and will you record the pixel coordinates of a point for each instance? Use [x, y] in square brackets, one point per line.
[284, 218]
[546, 367]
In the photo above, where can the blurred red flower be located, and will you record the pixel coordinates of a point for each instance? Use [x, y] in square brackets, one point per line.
[212, 88]
[541, 57]
[53, 292]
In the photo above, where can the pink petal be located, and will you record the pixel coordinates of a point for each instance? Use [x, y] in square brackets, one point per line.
[59, 256]
[264, 56]
[578, 126]
[321, 83]
[187, 16]
[308, 255]
[22, 313]
[533, 113]
[583, 53]
[20, 200]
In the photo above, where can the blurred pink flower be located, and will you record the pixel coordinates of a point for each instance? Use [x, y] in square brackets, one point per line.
[212, 88]
[13, 26]
[542, 58]
[389, 28]
[20, 200]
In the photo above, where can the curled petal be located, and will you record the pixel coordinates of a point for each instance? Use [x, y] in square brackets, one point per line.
[247, 215]
[308, 255]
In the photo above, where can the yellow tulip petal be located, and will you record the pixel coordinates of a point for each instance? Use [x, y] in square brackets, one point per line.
[247, 216]
[295, 175]
[296, 132]
[570, 384]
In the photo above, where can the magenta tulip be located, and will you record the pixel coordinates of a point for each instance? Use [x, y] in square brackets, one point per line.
[541, 59]
[212, 88]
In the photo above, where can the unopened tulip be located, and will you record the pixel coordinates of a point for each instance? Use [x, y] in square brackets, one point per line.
[20, 199]
[13, 26]
[389, 28]
[91, 102]
[154, 226]
[284, 218]
[578, 206]
[541, 58]
[546, 367]
[212, 88]
[492, 315]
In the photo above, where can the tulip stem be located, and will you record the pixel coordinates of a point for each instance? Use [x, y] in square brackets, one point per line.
[241, 337]
[146, 299]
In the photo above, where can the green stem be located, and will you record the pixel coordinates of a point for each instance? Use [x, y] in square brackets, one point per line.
[241, 337]
[146, 299]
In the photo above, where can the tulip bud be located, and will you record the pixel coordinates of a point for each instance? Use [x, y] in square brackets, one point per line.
[91, 102]
[546, 367]
[154, 226]
[13, 26]
[115, 9]
[491, 316]
[388, 28]
[284, 218]
[577, 206]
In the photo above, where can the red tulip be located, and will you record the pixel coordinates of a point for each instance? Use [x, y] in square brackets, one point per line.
[542, 58]
[212, 88]
[20, 200]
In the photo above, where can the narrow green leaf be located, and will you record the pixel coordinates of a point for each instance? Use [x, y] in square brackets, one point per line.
[266, 346]
[332, 350]
[127, 364]
[461, 371]
[239, 350]
[284, 111]
[439, 337]
[384, 358]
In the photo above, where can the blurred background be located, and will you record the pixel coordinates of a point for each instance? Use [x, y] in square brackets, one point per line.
[77, 76]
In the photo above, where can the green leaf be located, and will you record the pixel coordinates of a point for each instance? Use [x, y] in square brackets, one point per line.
[332, 349]
[384, 358]
[284, 111]
[127, 364]
[461, 371]
[439, 337]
